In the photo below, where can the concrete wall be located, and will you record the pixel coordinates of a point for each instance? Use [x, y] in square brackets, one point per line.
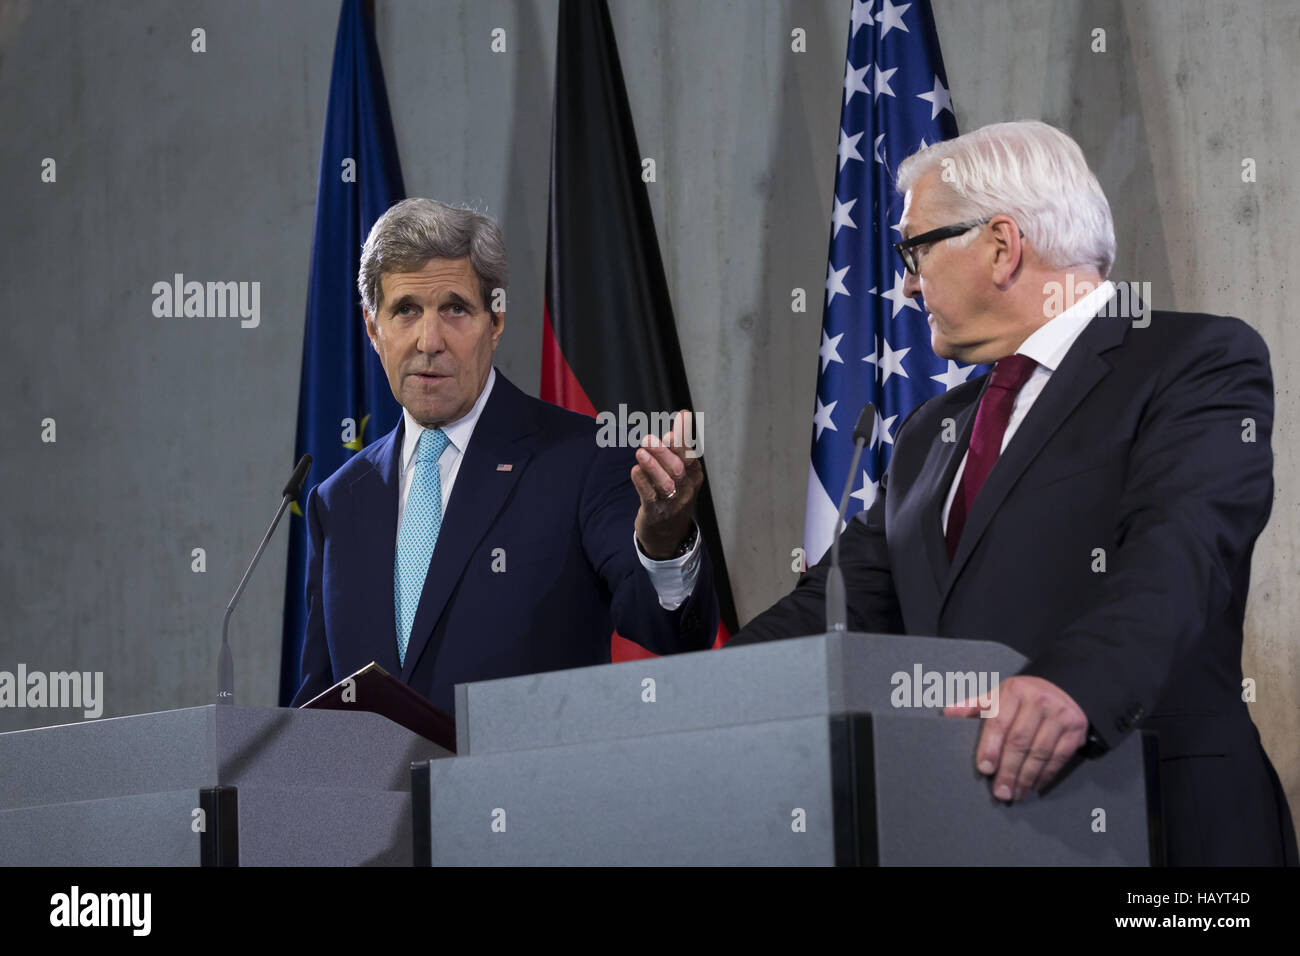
[176, 434]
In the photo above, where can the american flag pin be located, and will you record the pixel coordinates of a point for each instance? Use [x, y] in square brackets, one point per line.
[505, 467]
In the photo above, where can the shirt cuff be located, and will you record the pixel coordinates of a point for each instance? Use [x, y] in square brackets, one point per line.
[674, 579]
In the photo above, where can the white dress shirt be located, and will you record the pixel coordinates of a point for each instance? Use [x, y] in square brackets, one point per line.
[458, 434]
[1046, 346]
[673, 580]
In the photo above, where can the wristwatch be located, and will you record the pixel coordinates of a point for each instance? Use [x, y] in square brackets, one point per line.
[683, 549]
[688, 543]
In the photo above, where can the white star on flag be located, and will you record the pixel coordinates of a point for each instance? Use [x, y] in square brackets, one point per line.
[854, 81]
[954, 376]
[896, 296]
[861, 15]
[822, 418]
[890, 362]
[840, 215]
[848, 148]
[880, 431]
[891, 16]
[939, 100]
[881, 83]
[875, 149]
[828, 352]
[867, 493]
[835, 282]
[874, 349]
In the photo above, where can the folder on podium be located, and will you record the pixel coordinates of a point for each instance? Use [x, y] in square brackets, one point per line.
[809, 751]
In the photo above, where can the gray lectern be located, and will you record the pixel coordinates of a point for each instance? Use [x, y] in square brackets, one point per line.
[817, 750]
[214, 785]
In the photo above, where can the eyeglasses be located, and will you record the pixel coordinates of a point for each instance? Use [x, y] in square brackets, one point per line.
[905, 247]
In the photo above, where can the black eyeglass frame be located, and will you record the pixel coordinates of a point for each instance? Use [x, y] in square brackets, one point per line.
[904, 247]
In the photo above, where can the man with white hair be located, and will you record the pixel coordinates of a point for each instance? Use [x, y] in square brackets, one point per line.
[1092, 502]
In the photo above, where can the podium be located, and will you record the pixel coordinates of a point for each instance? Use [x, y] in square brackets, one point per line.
[214, 785]
[810, 751]
[813, 751]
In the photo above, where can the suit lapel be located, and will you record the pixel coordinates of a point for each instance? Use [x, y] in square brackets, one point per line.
[939, 468]
[374, 497]
[477, 497]
[1080, 370]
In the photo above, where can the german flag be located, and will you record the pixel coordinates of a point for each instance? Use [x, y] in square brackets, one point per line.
[609, 337]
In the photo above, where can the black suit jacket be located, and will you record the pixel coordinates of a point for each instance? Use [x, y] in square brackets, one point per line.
[1135, 447]
[534, 567]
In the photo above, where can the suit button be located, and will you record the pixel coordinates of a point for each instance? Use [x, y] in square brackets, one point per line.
[1093, 747]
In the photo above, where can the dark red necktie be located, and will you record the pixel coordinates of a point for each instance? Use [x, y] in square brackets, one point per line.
[1009, 375]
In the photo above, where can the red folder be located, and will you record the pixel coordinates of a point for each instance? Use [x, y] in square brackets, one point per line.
[374, 690]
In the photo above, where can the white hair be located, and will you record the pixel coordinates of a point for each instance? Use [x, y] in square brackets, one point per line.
[414, 231]
[1033, 173]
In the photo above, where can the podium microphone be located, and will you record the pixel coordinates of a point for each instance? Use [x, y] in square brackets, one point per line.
[225, 663]
[837, 611]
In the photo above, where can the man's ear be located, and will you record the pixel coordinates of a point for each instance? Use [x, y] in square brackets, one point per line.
[371, 332]
[1008, 250]
[498, 326]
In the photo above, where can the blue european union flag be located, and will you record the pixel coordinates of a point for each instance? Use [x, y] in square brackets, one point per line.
[342, 378]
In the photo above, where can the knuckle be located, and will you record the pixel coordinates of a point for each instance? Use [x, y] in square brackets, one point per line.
[1018, 741]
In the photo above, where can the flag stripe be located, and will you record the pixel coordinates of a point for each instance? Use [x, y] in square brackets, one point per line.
[559, 384]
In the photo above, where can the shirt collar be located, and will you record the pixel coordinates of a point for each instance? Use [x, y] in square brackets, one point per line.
[458, 432]
[1050, 341]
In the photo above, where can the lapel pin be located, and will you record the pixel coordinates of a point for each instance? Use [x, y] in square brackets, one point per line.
[505, 467]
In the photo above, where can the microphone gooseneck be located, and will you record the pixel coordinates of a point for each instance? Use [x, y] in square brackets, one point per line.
[837, 609]
[225, 660]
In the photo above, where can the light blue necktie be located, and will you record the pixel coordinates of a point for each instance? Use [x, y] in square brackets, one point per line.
[421, 523]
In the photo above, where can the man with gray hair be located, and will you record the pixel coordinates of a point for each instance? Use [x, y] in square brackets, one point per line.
[1092, 502]
[488, 535]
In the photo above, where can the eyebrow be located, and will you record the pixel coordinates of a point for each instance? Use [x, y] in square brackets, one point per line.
[452, 298]
[455, 298]
[401, 301]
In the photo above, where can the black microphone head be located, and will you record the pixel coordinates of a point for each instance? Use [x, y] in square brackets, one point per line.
[299, 478]
[866, 424]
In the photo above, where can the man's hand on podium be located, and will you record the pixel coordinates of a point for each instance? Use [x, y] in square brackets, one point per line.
[1036, 728]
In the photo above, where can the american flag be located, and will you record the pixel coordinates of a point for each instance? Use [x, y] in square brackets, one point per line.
[875, 342]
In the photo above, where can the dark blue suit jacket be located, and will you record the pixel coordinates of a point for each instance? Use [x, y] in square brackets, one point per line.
[561, 520]
[1135, 446]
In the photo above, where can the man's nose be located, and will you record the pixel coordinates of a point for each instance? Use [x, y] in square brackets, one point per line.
[430, 338]
[911, 285]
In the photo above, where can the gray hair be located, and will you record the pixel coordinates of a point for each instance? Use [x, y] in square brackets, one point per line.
[1033, 173]
[414, 231]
